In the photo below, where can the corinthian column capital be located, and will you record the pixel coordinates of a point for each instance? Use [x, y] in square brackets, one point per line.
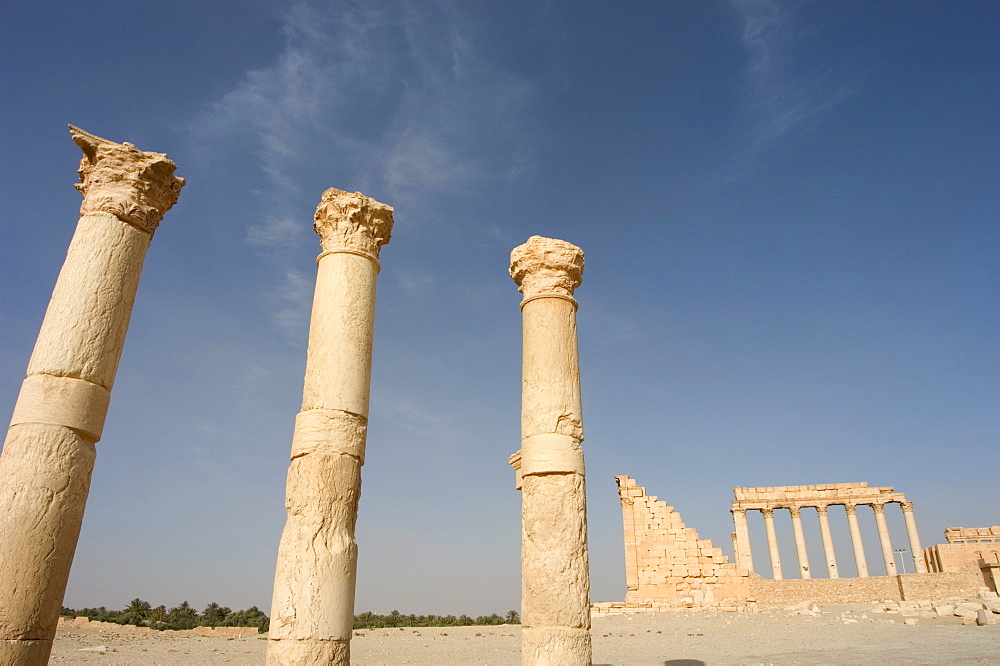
[851, 509]
[795, 511]
[879, 509]
[135, 186]
[768, 512]
[353, 223]
[906, 506]
[546, 267]
[821, 510]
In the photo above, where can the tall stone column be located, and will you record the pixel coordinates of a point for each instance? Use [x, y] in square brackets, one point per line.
[883, 539]
[828, 551]
[744, 557]
[772, 544]
[800, 542]
[555, 579]
[859, 548]
[312, 609]
[911, 534]
[49, 451]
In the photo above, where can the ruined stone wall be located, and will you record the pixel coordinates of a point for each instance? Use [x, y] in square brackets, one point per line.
[972, 534]
[905, 587]
[666, 562]
[960, 556]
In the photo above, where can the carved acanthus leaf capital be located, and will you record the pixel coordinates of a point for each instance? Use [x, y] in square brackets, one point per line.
[906, 506]
[768, 512]
[879, 509]
[795, 511]
[136, 186]
[851, 509]
[351, 221]
[822, 510]
[546, 266]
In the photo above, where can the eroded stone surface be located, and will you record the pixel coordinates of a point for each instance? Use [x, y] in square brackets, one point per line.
[49, 451]
[312, 608]
[555, 581]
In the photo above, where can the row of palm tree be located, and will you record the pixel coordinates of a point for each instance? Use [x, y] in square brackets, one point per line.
[142, 614]
[396, 619]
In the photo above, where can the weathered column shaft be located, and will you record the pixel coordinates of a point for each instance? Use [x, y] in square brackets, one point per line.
[772, 544]
[911, 534]
[743, 554]
[859, 548]
[555, 578]
[800, 542]
[883, 539]
[828, 551]
[49, 451]
[312, 609]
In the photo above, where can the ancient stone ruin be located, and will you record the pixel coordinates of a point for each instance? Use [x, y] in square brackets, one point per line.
[669, 568]
[555, 579]
[49, 452]
[821, 498]
[312, 610]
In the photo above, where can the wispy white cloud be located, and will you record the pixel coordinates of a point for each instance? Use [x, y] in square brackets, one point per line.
[787, 91]
[395, 101]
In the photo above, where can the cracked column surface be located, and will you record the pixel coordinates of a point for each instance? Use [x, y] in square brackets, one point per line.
[800, 543]
[772, 543]
[859, 549]
[913, 537]
[883, 539]
[828, 551]
[312, 609]
[742, 552]
[555, 578]
[49, 451]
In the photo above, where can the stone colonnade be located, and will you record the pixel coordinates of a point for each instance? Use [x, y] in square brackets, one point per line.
[821, 497]
[555, 580]
[49, 452]
[312, 611]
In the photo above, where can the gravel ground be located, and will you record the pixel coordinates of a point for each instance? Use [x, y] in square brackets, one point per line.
[842, 634]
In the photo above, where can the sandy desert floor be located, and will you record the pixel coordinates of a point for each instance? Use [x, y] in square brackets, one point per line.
[843, 634]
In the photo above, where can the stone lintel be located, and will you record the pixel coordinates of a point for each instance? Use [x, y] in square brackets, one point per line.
[351, 222]
[135, 186]
[547, 267]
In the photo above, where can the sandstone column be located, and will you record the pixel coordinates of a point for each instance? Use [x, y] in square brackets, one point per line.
[856, 544]
[743, 554]
[772, 543]
[555, 580]
[800, 542]
[49, 452]
[883, 539]
[312, 609]
[828, 552]
[911, 534]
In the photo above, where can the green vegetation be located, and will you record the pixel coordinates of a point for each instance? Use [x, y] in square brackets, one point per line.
[397, 619]
[142, 614]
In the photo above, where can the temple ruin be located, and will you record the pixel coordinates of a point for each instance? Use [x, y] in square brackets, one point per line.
[821, 498]
[669, 568]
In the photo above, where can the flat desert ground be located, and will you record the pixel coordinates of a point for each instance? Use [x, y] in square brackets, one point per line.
[838, 634]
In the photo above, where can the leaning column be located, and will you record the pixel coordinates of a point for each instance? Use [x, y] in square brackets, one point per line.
[800, 542]
[859, 549]
[555, 580]
[312, 609]
[772, 543]
[883, 539]
[911, 534]
[828, 550]
[49, 452]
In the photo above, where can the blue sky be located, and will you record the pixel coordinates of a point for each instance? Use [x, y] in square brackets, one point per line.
[789, 212]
